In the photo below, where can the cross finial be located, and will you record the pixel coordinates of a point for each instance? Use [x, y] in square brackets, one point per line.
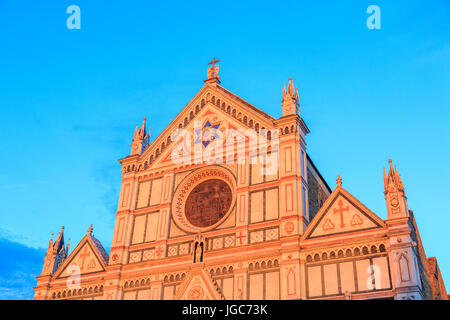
[213, 62]
[213, 71]
[339, 181]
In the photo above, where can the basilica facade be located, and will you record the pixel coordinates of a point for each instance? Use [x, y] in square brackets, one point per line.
[226, 203]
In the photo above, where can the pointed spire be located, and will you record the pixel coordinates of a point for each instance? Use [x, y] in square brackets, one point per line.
[68, 246]
[394, 193]
[90, 230]
[290, 101]
[50, 243]
[138, 139]
[142, 131]
[291, 89]
[58, 245]
[392, 179]
[56, 254]
[391, 169]
[339, 181]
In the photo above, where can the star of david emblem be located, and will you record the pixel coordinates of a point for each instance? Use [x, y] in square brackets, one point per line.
[206, 134]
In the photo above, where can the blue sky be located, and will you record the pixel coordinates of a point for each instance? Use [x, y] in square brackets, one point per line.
[70, 100]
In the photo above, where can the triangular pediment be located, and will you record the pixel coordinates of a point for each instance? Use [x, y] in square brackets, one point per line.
[212, 104]
[342, 213]
[198, 285]
[211, 125]
[86, 258]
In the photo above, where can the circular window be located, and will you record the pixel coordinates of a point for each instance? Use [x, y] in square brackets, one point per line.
[208, 202]
[204, 199]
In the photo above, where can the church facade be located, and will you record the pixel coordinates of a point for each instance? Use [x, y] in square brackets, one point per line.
[227, 204]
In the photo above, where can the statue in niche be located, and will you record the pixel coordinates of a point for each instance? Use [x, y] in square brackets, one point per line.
[199, 248]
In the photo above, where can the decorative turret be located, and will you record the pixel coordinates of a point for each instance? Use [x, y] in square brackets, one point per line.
[394, 193]
[56, 254]
[140, 139]
[290, 102]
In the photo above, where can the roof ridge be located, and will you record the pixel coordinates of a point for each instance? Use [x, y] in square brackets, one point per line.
[248, 104]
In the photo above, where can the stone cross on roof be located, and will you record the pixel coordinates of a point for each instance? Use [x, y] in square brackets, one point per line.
[213, 62]
[213, 71]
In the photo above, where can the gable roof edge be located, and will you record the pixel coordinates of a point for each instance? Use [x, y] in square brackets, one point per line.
[323, 210]
[97, 249]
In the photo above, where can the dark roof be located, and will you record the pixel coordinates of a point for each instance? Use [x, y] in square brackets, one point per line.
[315, 168]
[100, 249]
